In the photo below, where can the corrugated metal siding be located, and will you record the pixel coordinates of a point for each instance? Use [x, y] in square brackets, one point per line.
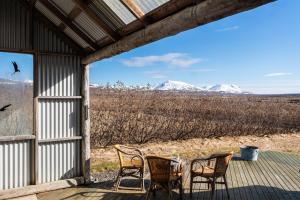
[14, 25]
[59, 160]
[45, 11]
[65, 5]
[46, 40]
[122, 12]
[105, 12]
[148, 5]
[59, 118]
[89, 26]
[59, 75]
[15, 164]
[76, 37]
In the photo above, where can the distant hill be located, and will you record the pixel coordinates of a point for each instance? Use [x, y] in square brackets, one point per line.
[171, 85]
[182, 86]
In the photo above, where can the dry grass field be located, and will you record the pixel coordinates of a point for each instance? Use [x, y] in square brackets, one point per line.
[17, 119]
[138, 117]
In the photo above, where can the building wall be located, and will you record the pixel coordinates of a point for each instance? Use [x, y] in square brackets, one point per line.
[15, 26]
[57, 83]
[15, 164]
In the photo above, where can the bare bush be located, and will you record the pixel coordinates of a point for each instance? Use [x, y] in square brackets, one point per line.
[135, 116]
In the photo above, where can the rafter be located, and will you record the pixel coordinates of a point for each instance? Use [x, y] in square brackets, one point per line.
[133, 8]
[100, 22]
[188, 18]
[157, 14]
[69, 23]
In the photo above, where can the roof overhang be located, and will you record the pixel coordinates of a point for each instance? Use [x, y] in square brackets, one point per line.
[104, 28]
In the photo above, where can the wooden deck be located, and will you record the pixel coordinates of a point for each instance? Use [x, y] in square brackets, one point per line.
[274, 176]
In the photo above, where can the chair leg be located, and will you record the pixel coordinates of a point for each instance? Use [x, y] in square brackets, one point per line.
[118, 180]
[191, 186]
[208, 184]
[181, 189]
[170, 191]
[149, 191]
[213, 184]
[142, 180]
[226, 186]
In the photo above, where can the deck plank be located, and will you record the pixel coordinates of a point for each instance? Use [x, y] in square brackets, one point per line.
[274, 176]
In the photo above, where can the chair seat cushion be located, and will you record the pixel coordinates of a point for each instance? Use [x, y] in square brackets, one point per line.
[132, 164]
[204, 171]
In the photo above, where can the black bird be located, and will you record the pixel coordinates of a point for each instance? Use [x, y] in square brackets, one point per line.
[4, 107]
[16, 67]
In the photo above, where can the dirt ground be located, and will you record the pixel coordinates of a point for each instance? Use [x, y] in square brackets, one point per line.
[106, 158]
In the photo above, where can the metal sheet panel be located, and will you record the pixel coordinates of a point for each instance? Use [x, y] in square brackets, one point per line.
[15, 164]
[120, 10]
[45, 11]
[76, 37]
[14, 25]
[59, 160]
[89, 26]
[106, 13]
[46, 40]
[65, 5]
[148, 5]
[59, 75]
[59, 118]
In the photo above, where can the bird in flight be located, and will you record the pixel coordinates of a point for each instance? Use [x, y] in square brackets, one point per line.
[16, 67]
[4, 107]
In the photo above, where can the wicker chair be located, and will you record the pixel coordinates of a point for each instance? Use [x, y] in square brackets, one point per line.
[131, 164]
[211, 168]
[164, 175]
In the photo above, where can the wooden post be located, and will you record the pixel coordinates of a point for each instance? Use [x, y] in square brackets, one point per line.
[85, 124]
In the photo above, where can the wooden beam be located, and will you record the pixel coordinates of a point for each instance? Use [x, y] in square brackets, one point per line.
[35, 189]
[191, 17]
[16, 138]
[157, 14]
[85, 124]
[68, 22]
[60, 139]
[133, 8]
[100, 22]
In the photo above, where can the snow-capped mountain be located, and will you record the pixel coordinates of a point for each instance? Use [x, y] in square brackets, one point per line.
[171, 85]
[182, 86]
[224, 88]
[176, 85]
[14, 82]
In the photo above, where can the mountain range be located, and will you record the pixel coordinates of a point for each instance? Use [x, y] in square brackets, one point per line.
[169, 85]
[182, 86]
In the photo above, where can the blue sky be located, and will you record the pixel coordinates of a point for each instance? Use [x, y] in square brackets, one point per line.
[258, 50]
[24, 61]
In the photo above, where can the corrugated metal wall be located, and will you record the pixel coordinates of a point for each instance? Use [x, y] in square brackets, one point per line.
[58, 160]
[15, 164]
[59, 79]
[15, 25]
[58, 101]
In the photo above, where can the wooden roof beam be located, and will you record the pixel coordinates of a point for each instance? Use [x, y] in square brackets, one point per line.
[133, 8]
[188, 18]
[69, 23]
[100, 22]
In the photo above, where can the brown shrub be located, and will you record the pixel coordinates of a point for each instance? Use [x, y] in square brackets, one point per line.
[131, 116]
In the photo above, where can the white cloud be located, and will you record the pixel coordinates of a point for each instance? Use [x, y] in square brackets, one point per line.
[155, 74]
[231, 28]
[172, 59]
[278, 74]
[203, 70]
